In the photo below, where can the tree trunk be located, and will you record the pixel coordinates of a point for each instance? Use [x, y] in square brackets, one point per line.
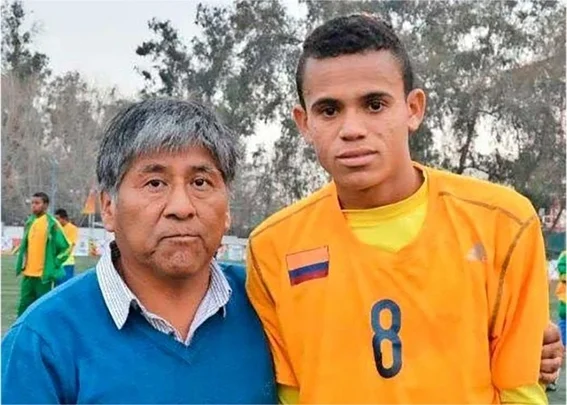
[557, 218]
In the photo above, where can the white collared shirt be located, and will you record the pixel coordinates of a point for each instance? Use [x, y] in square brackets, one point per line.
[119, 299]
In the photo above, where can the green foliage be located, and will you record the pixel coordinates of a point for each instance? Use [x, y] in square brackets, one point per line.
[51, 126]
[493, 72]
[17, 55]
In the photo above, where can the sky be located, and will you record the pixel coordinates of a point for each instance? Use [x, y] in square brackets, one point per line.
[99, 39]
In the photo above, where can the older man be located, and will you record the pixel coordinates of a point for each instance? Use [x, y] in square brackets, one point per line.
[157, 321]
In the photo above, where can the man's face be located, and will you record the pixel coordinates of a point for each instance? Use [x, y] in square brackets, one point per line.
[38, 207]
[61, 220]
[170, 213]
[357, 116]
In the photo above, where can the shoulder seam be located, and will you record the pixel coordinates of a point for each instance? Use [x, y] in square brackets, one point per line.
[289, 215]
[484, 205]
[503, 271]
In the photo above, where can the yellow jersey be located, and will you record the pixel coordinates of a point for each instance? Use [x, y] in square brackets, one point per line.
[447, 318]
[37, 241]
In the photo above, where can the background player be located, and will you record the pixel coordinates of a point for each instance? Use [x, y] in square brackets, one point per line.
[43, 250]
[72, 235]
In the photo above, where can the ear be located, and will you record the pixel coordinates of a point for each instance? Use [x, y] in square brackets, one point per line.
[108, 211]
[300, 118]
[416, 102]
[227, 221]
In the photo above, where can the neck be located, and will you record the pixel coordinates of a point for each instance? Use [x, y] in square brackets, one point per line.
[174, 299]
[390, 191]
[40, 214]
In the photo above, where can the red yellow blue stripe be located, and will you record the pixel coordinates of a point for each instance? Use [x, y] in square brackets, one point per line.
[308, 265]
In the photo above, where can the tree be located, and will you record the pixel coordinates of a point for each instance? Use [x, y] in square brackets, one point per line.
[75, 114]
[17, 55]
[493, 72]
[235, 66]
[51, 126]
[24, 169]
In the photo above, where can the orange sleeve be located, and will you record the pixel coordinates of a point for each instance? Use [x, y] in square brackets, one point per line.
[521, 311]
[263, 302]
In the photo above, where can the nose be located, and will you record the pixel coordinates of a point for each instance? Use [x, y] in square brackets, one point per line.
[179, 203]
[353, 127]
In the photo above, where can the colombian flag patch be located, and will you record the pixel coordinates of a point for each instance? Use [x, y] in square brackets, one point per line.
[308, 265]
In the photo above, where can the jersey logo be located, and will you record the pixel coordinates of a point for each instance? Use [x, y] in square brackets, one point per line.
[308, 265]
[477, 253]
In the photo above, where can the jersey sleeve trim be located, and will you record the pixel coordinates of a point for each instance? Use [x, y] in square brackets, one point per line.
[483, 204]
[502, 275]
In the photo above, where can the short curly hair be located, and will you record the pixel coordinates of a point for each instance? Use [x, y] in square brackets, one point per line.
[346, 35]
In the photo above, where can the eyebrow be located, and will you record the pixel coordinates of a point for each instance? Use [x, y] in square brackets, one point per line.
[159, 168]
[376, 94]
[153, 168]
[365, 97]
[324, 101]
[205, 168]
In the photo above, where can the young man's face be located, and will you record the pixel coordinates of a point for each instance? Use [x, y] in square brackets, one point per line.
[357, 116]
[61, 220]
[170, 213]
[38, 207]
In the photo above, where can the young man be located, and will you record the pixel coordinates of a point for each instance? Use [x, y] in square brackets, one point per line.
[41, 254]
[72, 235]
[396, 283]
[157, 321]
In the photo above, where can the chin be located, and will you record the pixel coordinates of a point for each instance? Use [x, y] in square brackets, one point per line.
[178, 270]
[180, 265]
[179, 273]
[359, 181]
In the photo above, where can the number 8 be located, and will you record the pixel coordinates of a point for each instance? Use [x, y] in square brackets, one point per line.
[391, 334]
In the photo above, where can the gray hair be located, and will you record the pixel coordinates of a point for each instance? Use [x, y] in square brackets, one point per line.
[162, 125]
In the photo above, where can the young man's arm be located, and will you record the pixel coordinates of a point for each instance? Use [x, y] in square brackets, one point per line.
[29, 369]
[520, 318]
[263, 303]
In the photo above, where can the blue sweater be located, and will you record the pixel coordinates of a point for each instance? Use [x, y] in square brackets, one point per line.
[67, 349]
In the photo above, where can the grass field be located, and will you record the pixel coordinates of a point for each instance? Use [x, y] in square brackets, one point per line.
[10, 293]
[11, 287]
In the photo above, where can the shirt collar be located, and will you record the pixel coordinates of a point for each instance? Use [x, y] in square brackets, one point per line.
[119, 299]
[219, 287]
